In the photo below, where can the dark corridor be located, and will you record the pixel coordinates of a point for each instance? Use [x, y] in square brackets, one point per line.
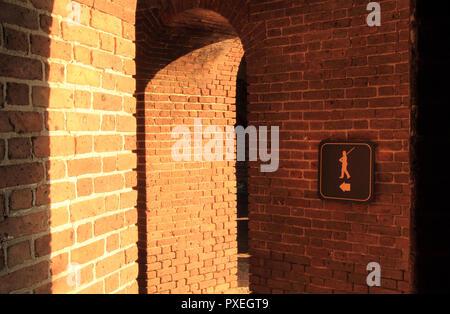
[242, 181]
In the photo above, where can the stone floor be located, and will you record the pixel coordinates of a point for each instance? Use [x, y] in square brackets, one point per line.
[243, 274]
[241, 290]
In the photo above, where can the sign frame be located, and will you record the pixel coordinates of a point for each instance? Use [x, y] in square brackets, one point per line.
[372, 147]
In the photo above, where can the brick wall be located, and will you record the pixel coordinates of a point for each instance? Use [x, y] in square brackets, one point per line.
[328, 75]
[67, 136]
[69, 142]
[188, 209]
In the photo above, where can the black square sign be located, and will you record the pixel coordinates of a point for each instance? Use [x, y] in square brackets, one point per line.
[346, 171]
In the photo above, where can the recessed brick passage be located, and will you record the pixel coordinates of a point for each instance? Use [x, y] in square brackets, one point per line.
[86, 172]
[190, 210]
[242, 181]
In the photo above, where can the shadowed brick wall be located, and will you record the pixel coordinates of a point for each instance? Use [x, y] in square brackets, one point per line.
[328, 75]
[70, 141]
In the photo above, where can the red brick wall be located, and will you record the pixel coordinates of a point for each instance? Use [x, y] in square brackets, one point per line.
[326, 74]
[68, 141]
[188, 209]
[190, 213]
[67, 133]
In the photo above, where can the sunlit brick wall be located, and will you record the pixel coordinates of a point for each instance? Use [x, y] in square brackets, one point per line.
[191, 205]
[67, 136]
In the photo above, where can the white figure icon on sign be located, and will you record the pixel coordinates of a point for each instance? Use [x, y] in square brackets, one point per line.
[345, 187]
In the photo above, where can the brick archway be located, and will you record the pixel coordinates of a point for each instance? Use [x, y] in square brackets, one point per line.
[157, 14]
[188, 57]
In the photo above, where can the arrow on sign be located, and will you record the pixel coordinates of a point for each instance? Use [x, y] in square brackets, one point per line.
[345, 187]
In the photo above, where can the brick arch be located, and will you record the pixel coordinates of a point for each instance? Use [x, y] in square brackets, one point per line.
[187, 210]
[236, 12]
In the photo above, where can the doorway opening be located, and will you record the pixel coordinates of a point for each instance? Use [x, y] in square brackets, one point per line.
[187, 70]
[432, 215]
[242, 182]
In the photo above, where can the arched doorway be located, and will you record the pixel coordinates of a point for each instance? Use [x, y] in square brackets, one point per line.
[187, 70]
